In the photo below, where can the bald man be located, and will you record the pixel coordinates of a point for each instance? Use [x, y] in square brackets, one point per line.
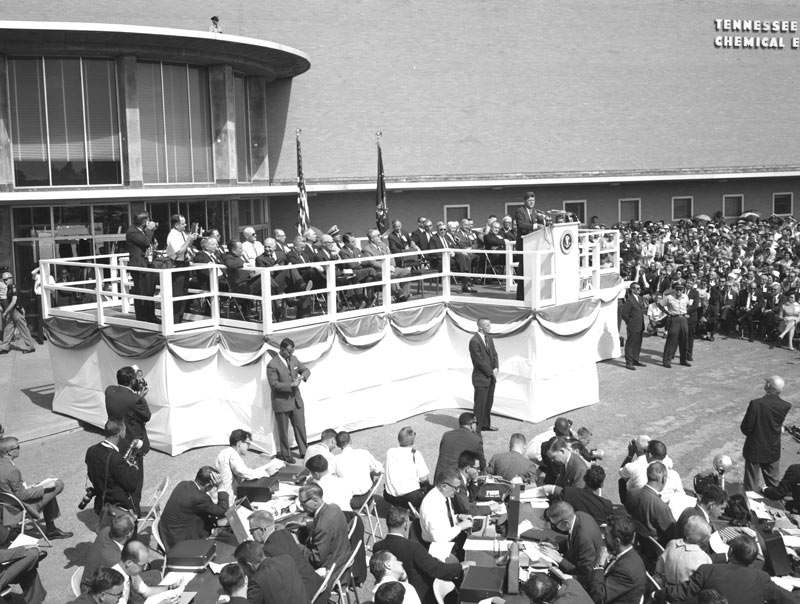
[762, 425]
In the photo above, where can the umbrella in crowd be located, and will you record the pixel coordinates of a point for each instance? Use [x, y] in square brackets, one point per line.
[705, 217]
[750, 214]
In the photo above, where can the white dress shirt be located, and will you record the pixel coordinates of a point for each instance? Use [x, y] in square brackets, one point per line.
[437, 518]
[252, 250]
[635, 473]
[335, 490]
[405, 467]
[354, 467]
[232, 469]
[321, 449]
[175, 241]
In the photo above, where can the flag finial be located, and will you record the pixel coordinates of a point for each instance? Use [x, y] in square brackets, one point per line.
[378, 135]
[298, 132]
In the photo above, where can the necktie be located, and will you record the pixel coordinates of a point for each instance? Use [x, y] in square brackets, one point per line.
[449, 512]
[291, 371]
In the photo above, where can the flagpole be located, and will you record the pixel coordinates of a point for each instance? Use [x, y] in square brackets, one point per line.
[381, 205]
[303, 215]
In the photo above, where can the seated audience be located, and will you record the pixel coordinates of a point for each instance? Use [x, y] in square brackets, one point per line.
[326, 542]
[375, 247]
[513, 464]
[543, 589]
[107, 547]
[325, 447]
[736, 580]
[103, 586]
[683, 556]
[652, 515]
[420, 566]
[438, 520]
[621, 580]
[336, 490]
[635, 472]
[386, 568]
[579, 552]
[234, 581]
[41, 496]
[587, 499]
[190, 511]
[273, 580]
[568, 467]
[356, 467]
[231, 466]
[407, 475]
[134, 559]
[709, 507]
[279, 542]
[465, 438]
[465, 499]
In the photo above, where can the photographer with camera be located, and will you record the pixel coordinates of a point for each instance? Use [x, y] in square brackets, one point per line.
[113, 477]
[126, 402]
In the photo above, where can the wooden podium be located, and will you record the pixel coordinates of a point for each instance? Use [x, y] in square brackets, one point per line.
[554, 270]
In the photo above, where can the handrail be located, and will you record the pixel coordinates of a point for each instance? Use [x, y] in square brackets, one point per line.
[110, 283]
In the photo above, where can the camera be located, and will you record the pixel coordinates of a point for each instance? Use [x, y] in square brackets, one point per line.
[139, 384]
[88, 496]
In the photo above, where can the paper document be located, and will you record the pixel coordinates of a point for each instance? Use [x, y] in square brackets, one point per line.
[539, 504]
[440, 549]
[215, 567]
[24, 540]
[486, 545]
[524, 526]
[533, 493]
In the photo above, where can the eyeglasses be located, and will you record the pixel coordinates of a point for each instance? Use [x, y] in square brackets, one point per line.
[14, 448]
[301, 501]
[254, 529]
[453, 486]
[114, 594]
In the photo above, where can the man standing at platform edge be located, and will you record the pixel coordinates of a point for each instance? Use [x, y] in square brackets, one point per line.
[762, 425]
[485, 367]
[633, 312]
[284, 375]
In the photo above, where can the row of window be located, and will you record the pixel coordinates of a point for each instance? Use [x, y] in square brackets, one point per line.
[631, 208]
[65, 123]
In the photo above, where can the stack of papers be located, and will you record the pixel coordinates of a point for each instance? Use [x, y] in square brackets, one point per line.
[533, 493]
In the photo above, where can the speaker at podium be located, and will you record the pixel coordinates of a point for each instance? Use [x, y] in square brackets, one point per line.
[554, 270]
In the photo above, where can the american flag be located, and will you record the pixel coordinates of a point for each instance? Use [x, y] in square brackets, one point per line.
[381, 207]
[303, 217]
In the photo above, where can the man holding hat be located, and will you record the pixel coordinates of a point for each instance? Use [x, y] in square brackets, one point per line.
[676, 305]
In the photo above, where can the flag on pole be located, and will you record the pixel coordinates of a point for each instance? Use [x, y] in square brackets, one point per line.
[303, 217]
[381, 208]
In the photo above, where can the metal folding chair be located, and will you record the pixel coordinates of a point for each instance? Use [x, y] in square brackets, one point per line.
[346, 574]
[153, 507]
[369, 509]
[326, 582]
[29, 515]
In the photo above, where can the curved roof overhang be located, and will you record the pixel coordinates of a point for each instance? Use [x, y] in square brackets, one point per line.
[247, 55]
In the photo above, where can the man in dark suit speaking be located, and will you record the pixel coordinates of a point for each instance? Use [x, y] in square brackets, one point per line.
[485, 367]
[284, 374]
[762, 425]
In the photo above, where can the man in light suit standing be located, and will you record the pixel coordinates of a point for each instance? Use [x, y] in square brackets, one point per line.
[485, 367]
[284, 374]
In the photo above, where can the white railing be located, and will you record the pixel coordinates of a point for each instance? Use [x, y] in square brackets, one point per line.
[108, 284]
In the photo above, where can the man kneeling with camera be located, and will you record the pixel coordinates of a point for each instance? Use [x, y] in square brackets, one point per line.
[113, 475]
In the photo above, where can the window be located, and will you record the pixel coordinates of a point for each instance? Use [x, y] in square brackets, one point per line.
[732, 206]
[782, 203]
[252, 212]
[242, 129]
[682, 208]
[577, 207]
[630, 209]
[511, 207]
[175, 123]
[64, 122]
[456, 212]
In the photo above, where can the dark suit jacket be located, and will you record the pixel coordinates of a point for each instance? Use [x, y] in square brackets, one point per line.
[138, 241]
[277, 581]
[571, 475]
[756, 307]
[11, 482]
[633, 313]
[484, 360]
[399, 243]
[237, 274]
[453, 443]
[103, 552]
[122, 403]
[584, 500]
[421, 239]
[327, 539]
[762, 426]
[511, 464]
[787, 485]
[112, 478]
[464, 500]
[420, 566]
[281, 543]
[739, 584]
[652, 516]
[525, 223]
[190, 514]
[285, 397]
[680, 525]
[622, 582]
[582, 548]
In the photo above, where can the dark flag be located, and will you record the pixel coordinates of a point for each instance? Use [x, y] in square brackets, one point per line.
[381, 209]
[303, 217]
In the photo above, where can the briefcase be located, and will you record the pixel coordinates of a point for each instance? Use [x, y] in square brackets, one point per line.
[293, 474]
[260, 489]
[493, 491]
[192, 555]
[481, 582]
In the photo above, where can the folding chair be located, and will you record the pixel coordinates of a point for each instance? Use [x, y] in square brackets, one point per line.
[75, 581]
[231, 301]
[153, 507]
[441, 589]
[157, 536]
[369, 509]
[341, 592]
[29, 515]
[326, 582]
[413, 510]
